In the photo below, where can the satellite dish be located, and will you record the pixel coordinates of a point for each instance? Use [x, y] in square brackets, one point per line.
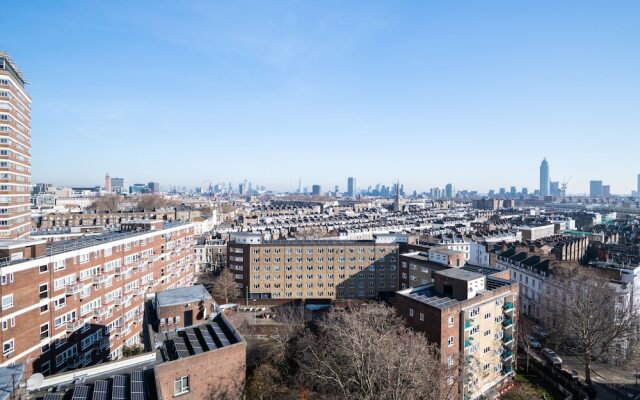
[35, 381]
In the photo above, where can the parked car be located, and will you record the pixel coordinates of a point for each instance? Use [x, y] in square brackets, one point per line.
[551, 356]
[532, 342]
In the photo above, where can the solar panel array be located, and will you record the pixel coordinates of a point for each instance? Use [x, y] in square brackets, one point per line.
[119, 388]
[137, 386]
[81, 392]
[100, 390]
[194, 342]
[219, 333]
[206, 336]
[181, 348]
[51, 396]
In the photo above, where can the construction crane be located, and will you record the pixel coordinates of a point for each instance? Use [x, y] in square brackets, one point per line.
[564, 186]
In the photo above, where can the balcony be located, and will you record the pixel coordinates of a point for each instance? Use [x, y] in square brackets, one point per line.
[74, 362]
[73, 326]
[468, 324]
[508, 307]
[100, 312]
[73, 289]
[506, 370]
[100, 279]
[122, 330]
[507, 340]
[507, 355]
[467, 343]
[507, 323]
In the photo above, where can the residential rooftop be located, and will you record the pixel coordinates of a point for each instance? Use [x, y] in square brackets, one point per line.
[183, 295]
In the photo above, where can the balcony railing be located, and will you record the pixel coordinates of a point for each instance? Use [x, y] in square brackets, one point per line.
[100, 312]
[73, 326]
[507, 370]
[507, 355]
[468, 324]
[507, 323]
[467, 343]
[73, 289]
[507, 339]
[508, 307]
[100, 279]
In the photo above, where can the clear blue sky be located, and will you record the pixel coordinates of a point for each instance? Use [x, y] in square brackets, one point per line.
[475, 93]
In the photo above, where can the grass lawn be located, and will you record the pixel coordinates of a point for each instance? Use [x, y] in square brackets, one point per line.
[539, 384]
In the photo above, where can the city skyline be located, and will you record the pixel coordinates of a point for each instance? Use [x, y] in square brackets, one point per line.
[347, 78]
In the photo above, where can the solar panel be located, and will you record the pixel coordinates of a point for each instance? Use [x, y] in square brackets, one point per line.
[181, 347]
[219, 333]
[194, 342]
[50, 396]
[100, 390]
[208, 340]
[81, 392]
[137, 386]
[119, 388]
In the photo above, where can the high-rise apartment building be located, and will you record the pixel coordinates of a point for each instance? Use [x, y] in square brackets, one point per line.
[545, 182]
[75, 303]
[315, 190]
[595, 189]
[312, 269]
[15, 151]
[351, 187]
[470, 314]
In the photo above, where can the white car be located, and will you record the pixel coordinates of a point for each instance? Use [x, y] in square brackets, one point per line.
[552, 356]
[532, 342]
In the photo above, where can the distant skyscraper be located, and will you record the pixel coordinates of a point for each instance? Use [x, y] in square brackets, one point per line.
[154, 187]
[448, 191]
[351, 187]
[525, 191]
[554, 188]
[300, 185]
[544, 178]
[15, 129]
[595, 189]
[119, 185]
[606, 190]
[107, 183]
[315, 190]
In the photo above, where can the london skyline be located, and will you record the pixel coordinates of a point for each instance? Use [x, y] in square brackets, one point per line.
[372, 91]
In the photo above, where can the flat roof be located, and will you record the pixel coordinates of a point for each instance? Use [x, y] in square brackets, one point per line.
[460, 274]
[17, 243]
[183, 295]
[427, 295]
[90, 240]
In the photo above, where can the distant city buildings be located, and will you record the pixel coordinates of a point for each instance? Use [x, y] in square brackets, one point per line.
[545, 184]
[351, 187]
[15, 151]
[316, 190]
[595, 189]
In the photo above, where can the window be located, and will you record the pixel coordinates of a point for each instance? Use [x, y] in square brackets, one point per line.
[43, 268]
[181, 386]
[421, 317]
[411, 312]
[450, 322]
[450, 341]
[8, 347]
[44, 331]
[7, 302]
[7, 278]
[44, 291]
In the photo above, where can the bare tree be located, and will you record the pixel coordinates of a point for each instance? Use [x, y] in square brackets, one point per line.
[368, 353]
[224, 286]
[151, 202]
[592, 316]
[108, 202]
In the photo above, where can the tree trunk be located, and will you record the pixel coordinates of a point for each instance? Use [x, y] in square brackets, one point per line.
[587, 368]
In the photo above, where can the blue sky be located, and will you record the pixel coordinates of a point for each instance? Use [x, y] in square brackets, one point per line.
[474, 93]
